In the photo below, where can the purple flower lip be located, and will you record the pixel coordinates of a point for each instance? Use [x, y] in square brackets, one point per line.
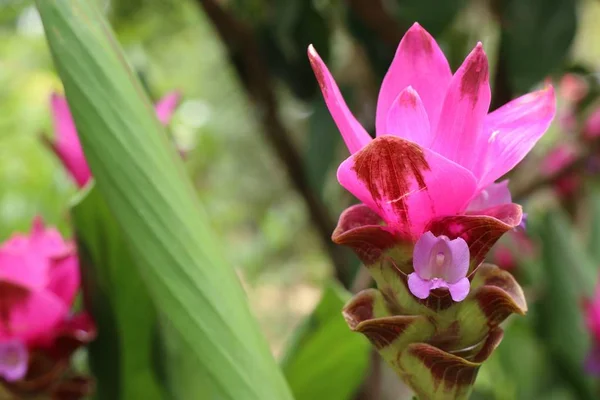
[440, 263]
[14, 359]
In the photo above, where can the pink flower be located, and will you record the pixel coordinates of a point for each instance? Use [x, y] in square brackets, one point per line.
[440, 263]
[557, 159]
[67, 146]
[39, 278]
[437, 148]
[437, 154]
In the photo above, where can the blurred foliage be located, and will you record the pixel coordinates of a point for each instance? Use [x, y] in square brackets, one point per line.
[252, 206]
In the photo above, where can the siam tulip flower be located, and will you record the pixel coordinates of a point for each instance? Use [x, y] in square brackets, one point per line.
[67, 146]
[431, 210]
[39, 275]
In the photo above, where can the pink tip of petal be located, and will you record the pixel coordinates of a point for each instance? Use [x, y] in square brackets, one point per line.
[166, 106]
[354, 135]
[14, 360]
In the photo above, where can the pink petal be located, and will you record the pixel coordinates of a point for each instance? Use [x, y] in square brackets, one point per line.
[21, 266]
[420, 63]
[353, 133]
[67, 146]
[65, 279]
[458, 262]
[31, 316]
[14, 360]
[48, 241]
[459, 133]
[166, 106]
[419, 287]
[460, 289]
[405, 184]
[494, 194]
[513, 130]
[422, 255]
[408, 119]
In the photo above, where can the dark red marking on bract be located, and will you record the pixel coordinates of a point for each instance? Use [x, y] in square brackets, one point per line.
[480, 232]
[359, 308]
[497, 304]
[359, 228]
[408, 99]
[74, 333]
[446, 369]
[500, 295]
[438, 300]
[493, 340]
[476, 74]
[388, 166]
[384, 331]
[11, 297]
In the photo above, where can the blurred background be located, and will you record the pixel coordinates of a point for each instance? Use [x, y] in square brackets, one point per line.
[262, 151]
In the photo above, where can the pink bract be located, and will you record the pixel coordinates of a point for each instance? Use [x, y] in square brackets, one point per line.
[66, 144]
[437, 147]
[39, 278]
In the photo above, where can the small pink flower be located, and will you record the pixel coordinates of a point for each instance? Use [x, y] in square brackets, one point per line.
[557, 159]
[66, 143]
[39, 278]
[440, 263]
[437, 148]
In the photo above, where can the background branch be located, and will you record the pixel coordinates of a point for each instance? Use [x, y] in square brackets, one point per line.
[246, 55]
[374, 16]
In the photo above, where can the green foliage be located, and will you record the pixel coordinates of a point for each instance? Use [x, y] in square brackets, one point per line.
[143, 183]
[122, 356]
[535, 39]
[325, 360]
[560, 320]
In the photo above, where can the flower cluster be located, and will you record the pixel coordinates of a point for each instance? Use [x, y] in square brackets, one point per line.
[431, 210]
[39, 275]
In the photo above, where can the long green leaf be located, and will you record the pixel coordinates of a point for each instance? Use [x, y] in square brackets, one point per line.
[325, 359]
[122, 356]
[196, 292]
[559, 311]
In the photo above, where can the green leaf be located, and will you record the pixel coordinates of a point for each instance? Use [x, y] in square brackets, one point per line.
[325, 359]
[536, 37]
[323, 140]
[142, 179]
[121, 357]
[409, 11]
[560, 315]
[594, 235]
